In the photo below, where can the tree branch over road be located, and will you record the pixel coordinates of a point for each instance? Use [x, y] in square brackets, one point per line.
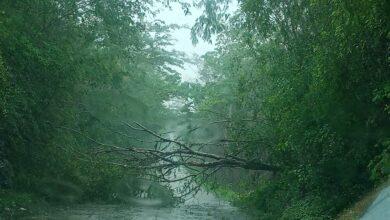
[166, 155]
[184, 154]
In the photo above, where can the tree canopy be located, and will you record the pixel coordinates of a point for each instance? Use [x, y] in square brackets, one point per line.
[297, 90]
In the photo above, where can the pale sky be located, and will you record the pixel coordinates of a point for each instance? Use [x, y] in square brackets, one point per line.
[183, 37]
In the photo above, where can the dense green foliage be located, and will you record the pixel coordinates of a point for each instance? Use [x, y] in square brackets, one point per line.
[308, 82]
[72, 68]
[302, 85]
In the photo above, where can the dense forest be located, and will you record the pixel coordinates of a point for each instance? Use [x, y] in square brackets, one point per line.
[294, 100]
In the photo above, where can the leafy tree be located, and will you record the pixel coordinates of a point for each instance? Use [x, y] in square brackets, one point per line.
[71, 69]
[300, 80]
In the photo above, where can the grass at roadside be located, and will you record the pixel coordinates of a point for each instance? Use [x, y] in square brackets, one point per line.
[15, 204]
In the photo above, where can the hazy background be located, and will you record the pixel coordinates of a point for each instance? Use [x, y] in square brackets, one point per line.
[183, 37]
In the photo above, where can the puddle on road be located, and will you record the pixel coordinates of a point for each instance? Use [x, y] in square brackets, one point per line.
[108, 212]
[203, 206]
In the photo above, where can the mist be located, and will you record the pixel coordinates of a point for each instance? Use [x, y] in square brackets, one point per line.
[201, 109]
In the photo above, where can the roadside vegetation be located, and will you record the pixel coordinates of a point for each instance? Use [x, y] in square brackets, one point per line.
[71, 69]
[289, 118]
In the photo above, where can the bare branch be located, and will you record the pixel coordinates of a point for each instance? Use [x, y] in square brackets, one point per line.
[168, 154]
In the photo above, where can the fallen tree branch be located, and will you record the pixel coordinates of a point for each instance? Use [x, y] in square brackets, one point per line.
[186, 156]
[169, 154]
